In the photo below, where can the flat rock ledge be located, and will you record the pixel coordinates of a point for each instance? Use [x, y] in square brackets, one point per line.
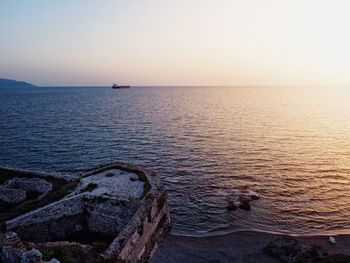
[115, 212]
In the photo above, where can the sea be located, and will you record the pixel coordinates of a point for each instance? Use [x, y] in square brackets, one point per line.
[288, 144]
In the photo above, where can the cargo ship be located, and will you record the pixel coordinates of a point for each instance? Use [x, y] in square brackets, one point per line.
[115, 86]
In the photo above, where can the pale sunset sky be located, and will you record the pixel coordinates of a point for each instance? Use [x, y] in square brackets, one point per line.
[176, 42]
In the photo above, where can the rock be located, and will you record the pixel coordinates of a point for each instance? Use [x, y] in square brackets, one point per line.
[241, 199]
[244, 198]
[290, 250]
[32, 256]
[332, 240]
[134, 178]
[231, 207]
[253, 196]
[245, 206]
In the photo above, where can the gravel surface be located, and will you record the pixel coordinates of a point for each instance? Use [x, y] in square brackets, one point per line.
[121, 184]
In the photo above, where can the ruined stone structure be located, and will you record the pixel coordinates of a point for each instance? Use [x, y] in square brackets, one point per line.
[17, 190]
[40, 186]
[122, 205]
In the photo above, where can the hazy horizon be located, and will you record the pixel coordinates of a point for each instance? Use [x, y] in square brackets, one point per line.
[176, 43]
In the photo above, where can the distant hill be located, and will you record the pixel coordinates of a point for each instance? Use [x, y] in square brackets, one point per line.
[5, 83]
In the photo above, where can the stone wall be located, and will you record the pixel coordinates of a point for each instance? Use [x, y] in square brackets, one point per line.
[30, 184]
[16, 172]
[16, 190]
[140, 238]
[51, 222]
[61, 219]
[111, 216]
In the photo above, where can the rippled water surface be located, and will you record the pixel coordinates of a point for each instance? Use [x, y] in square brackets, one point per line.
[290, 145]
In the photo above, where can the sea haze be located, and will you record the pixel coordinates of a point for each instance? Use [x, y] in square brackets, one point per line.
[291, 145]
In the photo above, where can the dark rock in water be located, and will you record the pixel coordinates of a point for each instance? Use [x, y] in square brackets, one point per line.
[241, 199]
[245, 206]
[244, 198]
[231, 207]
[290, 250]
[254, 197]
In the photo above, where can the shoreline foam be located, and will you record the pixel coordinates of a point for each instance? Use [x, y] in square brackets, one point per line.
[227, 232]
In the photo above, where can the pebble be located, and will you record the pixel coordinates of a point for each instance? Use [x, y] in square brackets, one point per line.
[332, 240]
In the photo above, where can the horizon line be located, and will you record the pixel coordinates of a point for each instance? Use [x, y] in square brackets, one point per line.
[199, 85]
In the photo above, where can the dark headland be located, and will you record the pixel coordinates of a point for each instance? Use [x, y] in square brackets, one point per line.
[9, 83]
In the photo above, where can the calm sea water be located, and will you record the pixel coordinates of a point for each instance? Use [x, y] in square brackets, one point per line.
[291, 145]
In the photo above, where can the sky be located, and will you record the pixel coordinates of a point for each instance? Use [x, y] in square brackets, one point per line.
[182, 42]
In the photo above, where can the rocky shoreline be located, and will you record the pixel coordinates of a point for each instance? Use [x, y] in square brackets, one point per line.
[252, 247]
[118, 212]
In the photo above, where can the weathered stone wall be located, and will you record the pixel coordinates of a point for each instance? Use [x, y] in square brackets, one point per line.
[15, 172]
[140, 238]
[51, 222]
[30, 184]
[111, 216]
[15, 191]
[68, 216]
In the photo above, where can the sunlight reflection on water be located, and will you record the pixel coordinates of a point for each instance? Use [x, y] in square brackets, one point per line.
[290, 145]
